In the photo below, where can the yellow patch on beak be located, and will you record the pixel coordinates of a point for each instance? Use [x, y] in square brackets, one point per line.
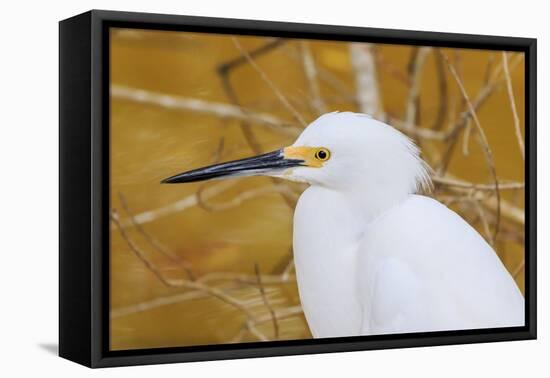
[312, 156]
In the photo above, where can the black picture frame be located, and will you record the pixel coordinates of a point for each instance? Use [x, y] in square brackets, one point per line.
[84, 187]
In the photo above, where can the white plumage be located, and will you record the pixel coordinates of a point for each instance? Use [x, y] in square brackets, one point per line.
[417, 267]
[371, 255]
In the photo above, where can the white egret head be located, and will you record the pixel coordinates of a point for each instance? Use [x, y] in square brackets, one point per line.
[348, 152]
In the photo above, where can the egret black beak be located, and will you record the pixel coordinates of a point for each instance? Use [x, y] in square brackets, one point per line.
[270, 163]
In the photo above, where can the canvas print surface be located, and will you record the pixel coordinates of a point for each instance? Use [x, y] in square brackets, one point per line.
[269, 189]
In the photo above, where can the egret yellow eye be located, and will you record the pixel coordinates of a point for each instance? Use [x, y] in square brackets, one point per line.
[322, 154]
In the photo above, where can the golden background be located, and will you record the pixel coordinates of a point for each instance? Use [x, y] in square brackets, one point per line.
[210, 263]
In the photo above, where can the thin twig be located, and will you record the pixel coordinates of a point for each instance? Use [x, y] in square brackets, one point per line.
[181, 205]
[156, 303]
[193, 285]
[245, 196]
[186, 266]
[517, 127]
[266, 301]
[224, 71]
[311, 73]
[251, 327]
[462, 121]
[285, 275]
[281, 314]
[285, 265]
[468, 185]
[466, 138]
[518, 269]
[201, 106]
[415, 74]
[245, 123]
[508, 210]
[484, 143]
[443, 91]
[271, 85]
[483, 218]
[333, 81]
[391, 69]
[488, 69]
[228, 282]
[270, 46]
[366, 80]
[415, 130]
[243, 278]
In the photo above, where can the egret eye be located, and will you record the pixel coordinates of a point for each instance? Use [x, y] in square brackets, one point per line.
[322, 154]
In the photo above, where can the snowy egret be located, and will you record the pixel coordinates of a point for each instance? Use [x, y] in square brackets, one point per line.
[371, 255]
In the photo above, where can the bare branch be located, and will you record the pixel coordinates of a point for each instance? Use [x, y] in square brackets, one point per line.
[224, 71]
[415, 130]
[484, 142]
[176, 207]
[510, 90]
[508, 211]
[443, 91]
[288, 269]
[468, 185]
[485, 224]
[366, 80]
[244, 197]
[242, 278]
[488, 69]
[186, 266]
[461, 122]
[271, 45]
[156, 303]
[411, 112]
[201, 106]
[466, 138]
[333, 81]
[266, 301]
[519, 269]
[391, 69]
[266, 79]
[310, 69]
[228, 282]
[193, 285]
[251, 327]
[281, 314]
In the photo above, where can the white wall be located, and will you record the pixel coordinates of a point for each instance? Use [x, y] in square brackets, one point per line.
[28, 156]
